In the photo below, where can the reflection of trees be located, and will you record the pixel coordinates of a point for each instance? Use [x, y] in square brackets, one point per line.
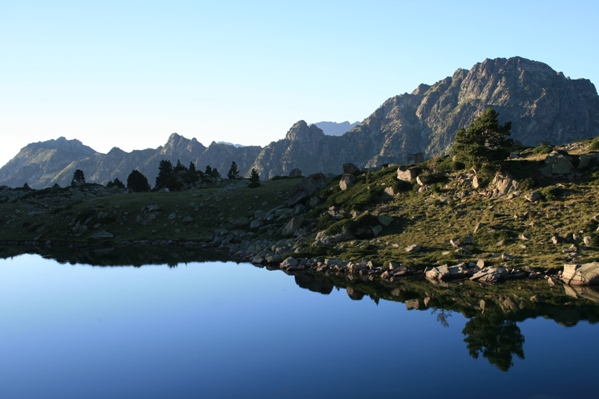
[495, 338]
[442, 316]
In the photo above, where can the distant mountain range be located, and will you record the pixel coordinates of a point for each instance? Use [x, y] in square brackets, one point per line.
[543, 105]
[335, 128]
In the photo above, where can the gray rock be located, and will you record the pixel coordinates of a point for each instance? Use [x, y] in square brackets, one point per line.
[306, 188]
[241, 222]
[411, 249]
[295, 173]
[557, 163]
[172, 216]
[490, 275]
[293, 225]
[581, 274]
[376, 230]
[254, 224]
[385, 220]
[447, 272]
[350, 168]
[406, 174]
[468, 240]
[504, 184]
[101, 235]
[533, 196]
[347, 181]
[187, 219]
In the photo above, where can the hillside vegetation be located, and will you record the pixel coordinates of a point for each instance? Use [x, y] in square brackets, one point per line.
[541, 211]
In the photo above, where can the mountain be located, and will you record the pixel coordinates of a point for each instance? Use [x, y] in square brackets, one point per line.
[543, 105]
[335, 128]
[52, 162]
[38, 163]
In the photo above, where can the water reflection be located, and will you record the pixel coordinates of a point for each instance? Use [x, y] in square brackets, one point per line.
[493, 312]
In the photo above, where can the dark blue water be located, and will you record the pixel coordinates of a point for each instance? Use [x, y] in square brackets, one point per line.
[223, 330]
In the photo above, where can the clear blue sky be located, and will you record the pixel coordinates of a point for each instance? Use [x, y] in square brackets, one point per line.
[129, 73]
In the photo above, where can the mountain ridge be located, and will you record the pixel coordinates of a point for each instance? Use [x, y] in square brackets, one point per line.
[545, 106]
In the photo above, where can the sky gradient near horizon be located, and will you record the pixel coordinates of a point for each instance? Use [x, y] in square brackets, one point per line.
[127, 74]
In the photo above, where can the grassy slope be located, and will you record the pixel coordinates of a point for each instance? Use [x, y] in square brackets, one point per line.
[450, 209]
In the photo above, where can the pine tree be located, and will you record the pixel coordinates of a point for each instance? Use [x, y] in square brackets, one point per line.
[254, 176]
[233, 171]
[483, 144]
[137, 182]
[165, 172]
[78, 178]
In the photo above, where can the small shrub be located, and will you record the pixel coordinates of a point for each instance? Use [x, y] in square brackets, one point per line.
[457, 166]
[594, 144]
[542, 149]
[552, 193]
[254, 184]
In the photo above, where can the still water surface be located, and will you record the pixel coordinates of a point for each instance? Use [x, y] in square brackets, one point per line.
[226, 330]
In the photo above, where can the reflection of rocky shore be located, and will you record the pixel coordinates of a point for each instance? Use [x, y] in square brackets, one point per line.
[493, 311]
[119, 256]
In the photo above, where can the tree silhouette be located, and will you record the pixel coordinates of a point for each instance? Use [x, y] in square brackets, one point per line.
[137, 182]
[165, 172]
[254, 176]
[115, 183]
[78, 178]
[233, 171]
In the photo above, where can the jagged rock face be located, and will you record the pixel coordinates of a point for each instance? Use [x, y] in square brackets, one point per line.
[304, 147]
[543, 105]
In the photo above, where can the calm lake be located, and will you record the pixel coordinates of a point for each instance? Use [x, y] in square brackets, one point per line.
[226, 330]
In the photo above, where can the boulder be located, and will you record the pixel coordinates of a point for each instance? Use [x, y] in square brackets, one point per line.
[533, 196]
[101, 235]
[347, 181]
[412, 249]
[504, 184]
[557, 164]
[254, 224]
[385, 220]
[295, 173]
[581, 274]
[447, 272]
[293, 225]
[350, 168]
[490, 275]
[376, 230]
[242, 222]
[406, 174]
[308, 187]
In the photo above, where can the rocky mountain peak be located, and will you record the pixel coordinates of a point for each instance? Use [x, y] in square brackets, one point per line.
[301, 132]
